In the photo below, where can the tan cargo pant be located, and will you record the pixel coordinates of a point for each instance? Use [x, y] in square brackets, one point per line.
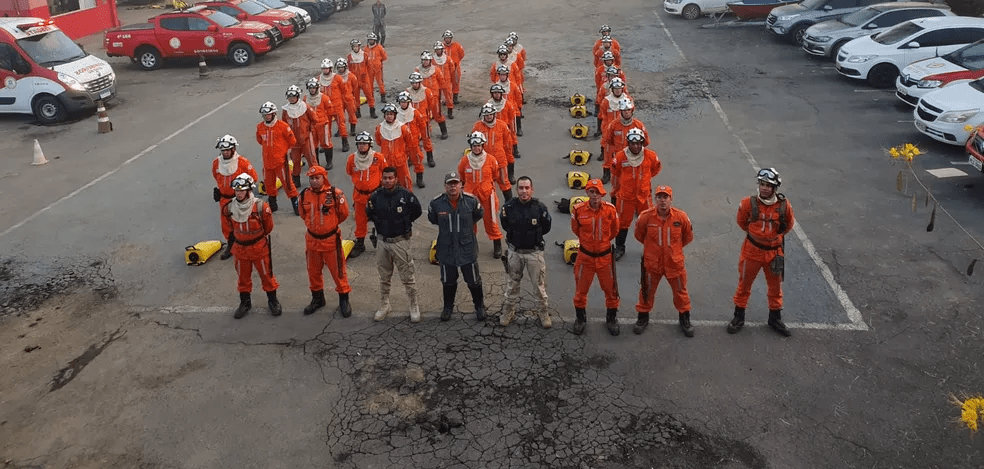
[536, 268]
[390, 255]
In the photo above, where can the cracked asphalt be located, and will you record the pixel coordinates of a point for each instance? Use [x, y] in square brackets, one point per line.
[116, 355]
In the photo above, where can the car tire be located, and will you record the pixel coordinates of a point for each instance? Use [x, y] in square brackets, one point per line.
[798, 33]
[241, 54]
[315, 16]
[690, 12]
[883, 75]
[835, 49]
[149, 58]
[48, 109]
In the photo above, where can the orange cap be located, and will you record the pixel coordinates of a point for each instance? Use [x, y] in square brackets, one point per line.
[664, 190]
[597, 185]
[317, 171]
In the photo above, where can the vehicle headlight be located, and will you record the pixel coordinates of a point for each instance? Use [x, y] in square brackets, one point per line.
[283, 22]
[860, 59]
[258, 35]
[929, 83]
[673, 1]
[788, 17]
[71, 82]
[822, 38]
[958, 117]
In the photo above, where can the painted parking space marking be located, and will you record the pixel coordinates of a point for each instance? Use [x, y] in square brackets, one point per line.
[946, 172]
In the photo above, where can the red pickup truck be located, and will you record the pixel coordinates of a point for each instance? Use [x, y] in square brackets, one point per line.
[190, 33]
[288, 23]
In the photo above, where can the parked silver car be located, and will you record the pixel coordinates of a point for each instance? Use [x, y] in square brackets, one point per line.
[826, 38]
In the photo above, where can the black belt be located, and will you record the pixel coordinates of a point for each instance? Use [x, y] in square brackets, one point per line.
[523, 251]
[761, 246]
[324, 236]
[248, 243]
[397, 239]
[595, 254]
[365, 192]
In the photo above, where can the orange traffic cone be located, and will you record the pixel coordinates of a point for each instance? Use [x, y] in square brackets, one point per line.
[105, 126]
[202, 68]
[38, 155]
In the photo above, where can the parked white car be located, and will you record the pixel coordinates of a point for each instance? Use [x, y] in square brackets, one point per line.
[826, 38]
[692, 9]
[947, 113]
[925, 76]
[880, 57]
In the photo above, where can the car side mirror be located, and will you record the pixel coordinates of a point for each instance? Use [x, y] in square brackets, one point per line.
[827, 8]
[213, 28]
[913, 45]
[241, 17]
[871, 26]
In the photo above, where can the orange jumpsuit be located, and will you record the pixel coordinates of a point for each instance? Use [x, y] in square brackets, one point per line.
[333, 87]
[604, 91]
[601, 51]
[631, 184]
[613, 138]
[515, 96]
[446, 66]
[515, 73]
[457, 53]
[500, 141]
[350, 94]
[323, 112]
[608, 109]
[364, 182]
[425, 99]
[398, 147]
[376, 55]
[506, 112]
[224, 183]
[252, 247]
[276, 140]
[616, 48]
[763, 231]
[323, 242]
[358, 65]
[595, 229]
[481, 184]
[417, 122]
[434, 80]
[304, 131]
[662, 256]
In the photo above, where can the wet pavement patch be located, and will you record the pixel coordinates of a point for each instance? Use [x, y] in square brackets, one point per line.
[70, 372]
[26, 284]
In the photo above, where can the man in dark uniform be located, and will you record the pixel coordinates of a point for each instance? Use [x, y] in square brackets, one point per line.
[456, 213]
[525, 220]
[393, 209]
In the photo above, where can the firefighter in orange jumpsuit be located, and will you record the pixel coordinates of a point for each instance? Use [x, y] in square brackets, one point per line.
[321, 132]
[332, 87]
[396, 143]
[607, 45]
[323, 209]
[613, 137]
[664, 231]
[376, 55]
[518, 49]
[612, 75]
[457, 54]
[595, 224]
[520, 61]
[500, 142]
[514, 93]
[605, 31]
[276, 138]
[250, 223]
[225, 168]
[302, 119]
[358, 65]
[365, 167]
[350, 90]
[505, 61]
[480, 173]
[434, 80]
[443, 61]
[608, 107]
[505, 110]
[426, 100]
[607, 60]
[633, 169]
[765, 218]
[416, 120]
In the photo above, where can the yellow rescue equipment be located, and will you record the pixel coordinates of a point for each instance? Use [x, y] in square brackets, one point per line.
[433, 252]
[347, 245]
[579, 157]
[577, 179]
[577, 200]
[261, 189]
[578, 99]
[200, 252]
[579, 130]
[578, 112]
[570, 250]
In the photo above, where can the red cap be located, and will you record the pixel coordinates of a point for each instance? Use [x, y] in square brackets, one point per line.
[317, 171]
[596, 185]
[664, 190]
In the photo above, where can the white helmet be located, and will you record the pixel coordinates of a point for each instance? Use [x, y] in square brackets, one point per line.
[355, 42]
[313, 84]
[509, 42]
[363, 137]
[226, 142]
[327, 63]
[293, 90]
[497, 88]
[487, 109]
[476, 138]
[502, 69]
[605, 29]
[769, 176]
[243, 182]
[613, 71]
[416, 77]
[502, 50]
[426, 55]
[439, 45]
[513, 35]
[625, 104]
[372, 37]
[606, 39]
[635, 135]
[389, 107]
[608, 55]
[448, 33]
[340, 64]
[616, 83]
[268, 108]
[404, 97]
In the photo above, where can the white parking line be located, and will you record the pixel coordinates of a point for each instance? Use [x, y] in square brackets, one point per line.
[874, 91]
[946, 172]
[857, 322]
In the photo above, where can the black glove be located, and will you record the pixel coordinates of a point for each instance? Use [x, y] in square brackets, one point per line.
[216, 195]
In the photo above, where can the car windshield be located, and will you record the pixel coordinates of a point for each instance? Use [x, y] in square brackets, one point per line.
[253, 8]
[273, 3]
[897, 33]
[50, 49]
[970, 57]
[860, 17]
[812, 4]
[222, 19]
[978, 85]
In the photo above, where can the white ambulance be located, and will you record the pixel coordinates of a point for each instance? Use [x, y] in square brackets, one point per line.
[42, 72]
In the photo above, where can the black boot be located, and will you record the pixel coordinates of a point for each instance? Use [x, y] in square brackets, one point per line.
[272, 200]
[738, 322]
[430, 159]
[620, 244]
[688, 330]
[601, 155]
[297, 180]
[507, 196]
[245, 304]
[330, 154]
[641, 323]
[351, 130]
[511, 171]
[449, 292]
[382, 97]
[519, 126]
[317, 302]
[293, 203]
[454, 98]
[582, 319]
[372, 112]
[612, 322]
[444, 130]
[358, 112]
[606, 176]
[343, 305]
[478, 299]
[598, 129]
[358, 249]
[496, 248]
[450, 113]
[420, 180]
[274, 304]
[516, 152]
[345, 148]
[227, 253]
[775, 322]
